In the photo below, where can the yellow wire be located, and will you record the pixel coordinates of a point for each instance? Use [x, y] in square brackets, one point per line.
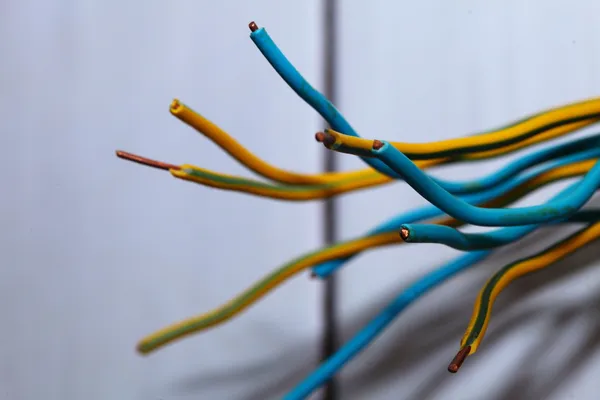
[274, 191]
[300, 193]
[542, 137]
[514, 271]
[588, 107]
[261, 167]
[368, 177]
[261, 288]
[238, 304]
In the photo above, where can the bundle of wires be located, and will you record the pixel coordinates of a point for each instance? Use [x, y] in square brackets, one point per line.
[481, 202]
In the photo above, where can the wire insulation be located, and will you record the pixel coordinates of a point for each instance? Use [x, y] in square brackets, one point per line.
[568, 167]
[501, 279]
[341, 250]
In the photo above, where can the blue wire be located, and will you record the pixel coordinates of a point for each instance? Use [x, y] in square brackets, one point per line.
[309, 94]
[457, 208]
[520, 165]
[363, 338]
[336, 120]
[451, 237]
[424, 213]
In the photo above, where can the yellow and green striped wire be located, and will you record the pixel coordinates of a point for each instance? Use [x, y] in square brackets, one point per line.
[501, 279]
[341, 250]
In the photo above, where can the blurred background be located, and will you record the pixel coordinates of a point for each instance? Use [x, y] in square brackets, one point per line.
[97, 252]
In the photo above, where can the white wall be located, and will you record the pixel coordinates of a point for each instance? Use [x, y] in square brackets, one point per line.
[421, 71]
[97, 252]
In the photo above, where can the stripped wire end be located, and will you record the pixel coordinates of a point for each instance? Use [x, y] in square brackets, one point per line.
[175, 106]
[459, 359]
[404, 234]
[253, 27]
[141, 349]
[326, 138]
[377, 144]
[146, 161]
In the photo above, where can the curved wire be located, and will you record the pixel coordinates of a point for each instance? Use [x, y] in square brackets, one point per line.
[258, 290]
[587, 144]
[309, 94]
[251, 186]
[393, 161]
[263, 189]
[312, 192]
[278, 276]
[559, 208]
[454, 238]
[369, 333]
[371, 177]
[528, 181]
[451, 237]
[483, 306]
[458, 208]
[574, 113]
[515, 133]
[366, 335]
[225, 141]
[305, 193]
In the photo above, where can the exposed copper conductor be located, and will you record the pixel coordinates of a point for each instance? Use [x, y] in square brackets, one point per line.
[253, 27]
[377, 144]
[404, 233]
[145, 161]
[459, 359]
[328, 140]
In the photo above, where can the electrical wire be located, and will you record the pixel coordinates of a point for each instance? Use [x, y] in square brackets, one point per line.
[580, 193]
[369, 333]
[307, 193]
[213, 132]
[273, 191]
[372, 178]
[458, 208]
[341, 250]
[212, 179]
[326, 269]
[528, 181]
[588, 110]
[454, 238]
[258, 290]
[585, 112]
[225, 141]
[587, 144]
[476, 202]
[515, 189]
[488, 294]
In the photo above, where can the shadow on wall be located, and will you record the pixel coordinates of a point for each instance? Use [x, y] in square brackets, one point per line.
[436, 331]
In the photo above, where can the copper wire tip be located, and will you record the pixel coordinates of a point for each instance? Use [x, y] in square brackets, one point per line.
[319, 137]
[328, 140]
[377, 144]
[145, 161]
[404, 233]
[253, 27]
[459, 359]
[175, 105]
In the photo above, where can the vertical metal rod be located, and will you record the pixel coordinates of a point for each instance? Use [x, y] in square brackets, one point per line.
[330, 333]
